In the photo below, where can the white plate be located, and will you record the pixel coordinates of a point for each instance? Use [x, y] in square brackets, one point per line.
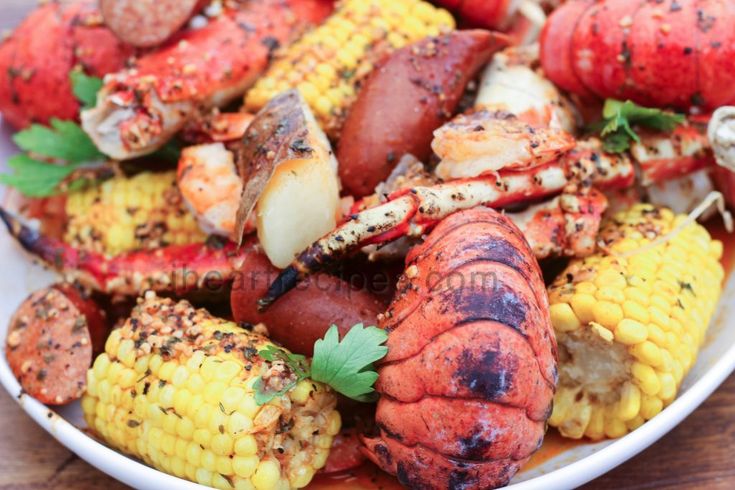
[573, 467]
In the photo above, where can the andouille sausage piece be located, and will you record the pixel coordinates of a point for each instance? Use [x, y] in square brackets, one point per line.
[410, 94]
[51, 340]
[147, 23]
[305, 313]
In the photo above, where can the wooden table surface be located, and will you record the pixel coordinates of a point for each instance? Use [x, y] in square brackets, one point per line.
[697, 454]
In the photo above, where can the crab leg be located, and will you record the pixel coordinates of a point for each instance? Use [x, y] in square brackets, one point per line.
[175, 268]
[414, 211]
[663, 157]
[567, 225]
[139, 109]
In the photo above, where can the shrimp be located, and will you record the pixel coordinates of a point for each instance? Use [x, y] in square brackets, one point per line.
[211, 187]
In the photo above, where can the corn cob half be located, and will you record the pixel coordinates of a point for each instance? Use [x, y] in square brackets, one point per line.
[630, 321]
[328, 62]
[174, 387]
[130, 213]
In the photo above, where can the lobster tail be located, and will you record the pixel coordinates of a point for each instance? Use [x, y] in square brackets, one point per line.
[664, 53]
[469, 338]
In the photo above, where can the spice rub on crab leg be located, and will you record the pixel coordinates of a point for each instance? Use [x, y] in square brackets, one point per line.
[172, 268]
[140, 108]
[519, 165]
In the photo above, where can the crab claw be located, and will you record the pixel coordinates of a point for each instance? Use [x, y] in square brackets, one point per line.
[173, 269]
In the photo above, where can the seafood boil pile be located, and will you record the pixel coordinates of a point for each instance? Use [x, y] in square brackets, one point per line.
[297, 237]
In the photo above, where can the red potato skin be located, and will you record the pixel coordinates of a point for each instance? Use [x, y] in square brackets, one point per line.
[35, 61]
[305, 313]
[470, 338]
[51, 341]
[489, 14]
[346, 452]
[669, 53]
[410, 93]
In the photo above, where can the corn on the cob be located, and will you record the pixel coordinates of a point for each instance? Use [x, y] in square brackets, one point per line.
[130, 213]
[174, 387]
[630, 321]
[328, 63]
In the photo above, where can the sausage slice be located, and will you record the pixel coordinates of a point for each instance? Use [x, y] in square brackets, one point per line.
[50, 343]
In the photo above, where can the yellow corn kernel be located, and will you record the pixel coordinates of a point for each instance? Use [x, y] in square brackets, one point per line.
[615, 428]
[607, 314]
[128, 213]
[201, 430]
[644, 306]
[596, 426]
[646, 378]
[630, 332]
[334, 423]
[610, 294]
[342, 50]
[563, 318]
[583, 306]
[647, 353]
[668, 386]
[630, 402]
[267, 474]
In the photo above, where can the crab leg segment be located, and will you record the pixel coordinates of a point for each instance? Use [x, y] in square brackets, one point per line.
[414, 211]
[663, 157]
[139, 109]
[564, 226]
[175, 268]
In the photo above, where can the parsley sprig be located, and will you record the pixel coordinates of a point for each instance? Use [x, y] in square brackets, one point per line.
[619, 119]
[85, 88]
[296, 362]
[347, 365]
[53, 153]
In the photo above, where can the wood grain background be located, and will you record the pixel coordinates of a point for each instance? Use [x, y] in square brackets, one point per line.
[697, 454]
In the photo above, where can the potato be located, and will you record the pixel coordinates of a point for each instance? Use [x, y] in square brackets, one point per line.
[410, 94]
[305, 313]
[290, 176]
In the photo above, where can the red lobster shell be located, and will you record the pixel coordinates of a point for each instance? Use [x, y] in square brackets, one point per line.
[35, 60]
[677, 53]
[469, 378]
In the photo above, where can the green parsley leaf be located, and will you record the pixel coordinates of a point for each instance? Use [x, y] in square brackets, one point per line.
[35, 178]
[619, 118]
[263, 396]
[85, 87]
[347, 366]
[64, 140]
[296, 362]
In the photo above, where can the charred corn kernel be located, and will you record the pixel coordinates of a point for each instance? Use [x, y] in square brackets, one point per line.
[130, 213]
[643, 308]
[342, 51]
[205, 431]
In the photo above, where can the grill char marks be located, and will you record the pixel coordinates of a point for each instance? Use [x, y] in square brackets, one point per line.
[469, 339]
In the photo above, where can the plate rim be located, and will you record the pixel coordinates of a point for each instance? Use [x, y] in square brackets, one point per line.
[120, 465]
